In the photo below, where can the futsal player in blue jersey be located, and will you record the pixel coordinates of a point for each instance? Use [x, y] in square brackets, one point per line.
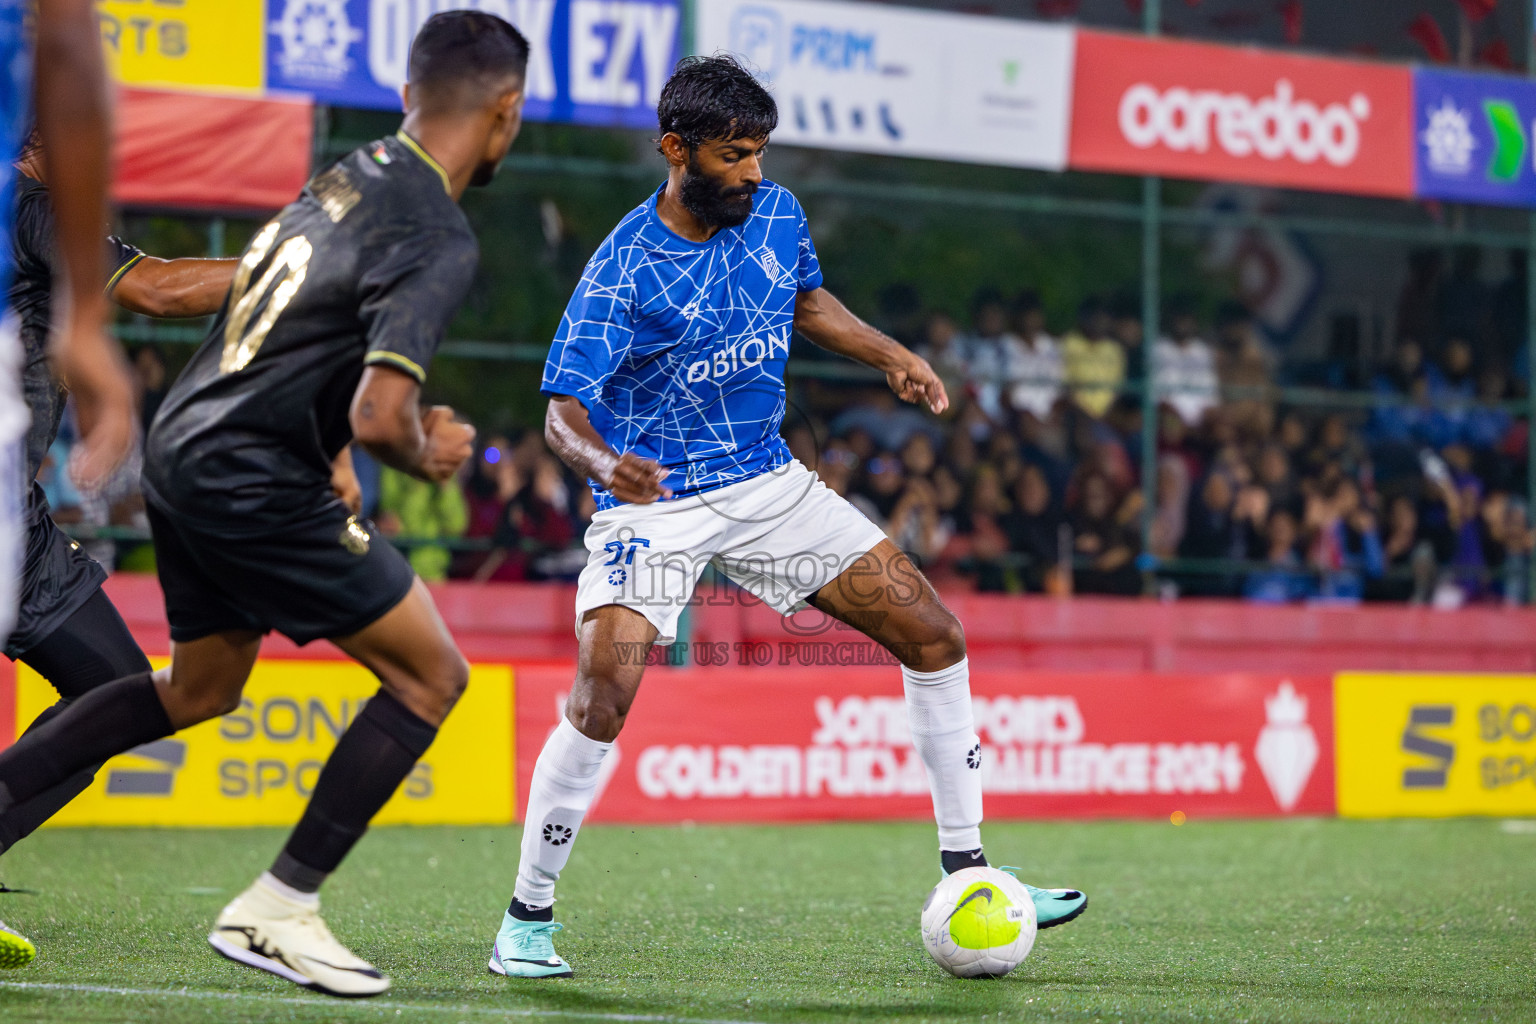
[74, 119]
[666, 387]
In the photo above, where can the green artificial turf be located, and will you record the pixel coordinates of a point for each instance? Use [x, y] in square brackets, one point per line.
[1235, 921]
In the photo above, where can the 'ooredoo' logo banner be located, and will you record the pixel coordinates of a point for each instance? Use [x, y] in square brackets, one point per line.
[780, 744]
[1191, 110]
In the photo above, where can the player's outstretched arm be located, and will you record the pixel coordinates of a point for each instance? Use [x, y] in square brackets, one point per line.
[387, 419]
[75, 121]
[828, 323]
[175, 288]
[569, 432]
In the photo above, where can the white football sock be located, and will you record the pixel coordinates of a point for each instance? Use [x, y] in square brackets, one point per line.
[944, 733]
[564, 781]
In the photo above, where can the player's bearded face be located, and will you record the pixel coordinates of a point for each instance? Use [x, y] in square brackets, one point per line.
[711, 200]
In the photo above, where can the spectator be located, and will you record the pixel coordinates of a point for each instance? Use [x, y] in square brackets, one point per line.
[1507, 541]
[1283, 578]
[1094, 361]
[1452, 387]
[914, 522]
[988, 547]
[1034, 533]
[1408, 557]
[1404, 386]
[945, 352]
[493, 480]
[419, 513]
[1246, 371]
[1278, 478]
[1170, 519]
[1486, 425]
[535, 526]
[1105, 548]
[987, 350]
[1125, 325]
[1035, 371]
[1184, 367]
[884, 480]
[1345, 546]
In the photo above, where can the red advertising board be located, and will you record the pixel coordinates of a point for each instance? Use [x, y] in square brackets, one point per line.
[780, 744]
[1194, 110]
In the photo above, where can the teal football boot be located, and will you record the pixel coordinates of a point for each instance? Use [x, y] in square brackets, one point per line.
[526, 949]
[1052, 906]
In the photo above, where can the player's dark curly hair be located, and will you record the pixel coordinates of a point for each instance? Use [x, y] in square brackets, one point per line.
[711, 99]
[465, 48]
[31, 143]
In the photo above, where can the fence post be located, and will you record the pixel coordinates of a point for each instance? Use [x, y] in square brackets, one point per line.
[1151, 303]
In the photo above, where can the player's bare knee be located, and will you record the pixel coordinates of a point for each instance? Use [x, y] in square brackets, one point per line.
[597, 712]
[945, 645]
[949, 649]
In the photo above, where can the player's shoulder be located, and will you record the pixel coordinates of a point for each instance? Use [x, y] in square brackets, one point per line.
[395, 183]
[628, 246]
[774, 200]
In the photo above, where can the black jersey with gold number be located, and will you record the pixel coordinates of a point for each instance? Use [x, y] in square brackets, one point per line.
[368, 265]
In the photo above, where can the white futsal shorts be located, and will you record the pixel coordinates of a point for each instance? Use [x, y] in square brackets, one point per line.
[780, 536]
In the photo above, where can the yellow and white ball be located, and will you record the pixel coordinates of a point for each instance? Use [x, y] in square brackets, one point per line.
[979, 923]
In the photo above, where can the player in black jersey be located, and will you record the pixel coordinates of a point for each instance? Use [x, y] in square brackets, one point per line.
[66, 628]
[336, 309]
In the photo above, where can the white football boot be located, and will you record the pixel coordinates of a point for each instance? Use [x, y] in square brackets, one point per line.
[265, 929]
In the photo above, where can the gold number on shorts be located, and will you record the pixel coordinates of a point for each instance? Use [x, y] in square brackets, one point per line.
[292, 263]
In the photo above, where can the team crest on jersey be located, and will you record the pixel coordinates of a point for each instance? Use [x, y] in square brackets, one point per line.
[354, 538]
[765, 258]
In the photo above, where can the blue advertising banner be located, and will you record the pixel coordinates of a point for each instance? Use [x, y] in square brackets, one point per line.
[596, 62]
[1474, 138]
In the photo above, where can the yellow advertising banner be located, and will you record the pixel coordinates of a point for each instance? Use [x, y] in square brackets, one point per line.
[258, 765]
[203, 45]
[1435, 745]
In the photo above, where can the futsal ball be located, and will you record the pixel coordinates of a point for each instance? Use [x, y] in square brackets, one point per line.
[979, 923]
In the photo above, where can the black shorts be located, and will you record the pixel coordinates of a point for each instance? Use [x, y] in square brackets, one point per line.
[325, 575]
[57, 578]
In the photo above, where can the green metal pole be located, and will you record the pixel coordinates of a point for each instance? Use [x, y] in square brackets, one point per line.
[1151, 289]
[1151, 303]
[685, 35]
[216, 238]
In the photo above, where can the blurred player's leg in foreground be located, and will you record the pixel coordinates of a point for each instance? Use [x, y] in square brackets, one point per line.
[74, 117]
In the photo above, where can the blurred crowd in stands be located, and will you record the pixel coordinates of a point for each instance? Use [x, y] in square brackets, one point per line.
[1031, 482]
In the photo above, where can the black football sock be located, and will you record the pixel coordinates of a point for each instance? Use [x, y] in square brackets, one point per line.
[523, 912]
[373, 757]
[102, 724]
[956, 860]
[91, 648]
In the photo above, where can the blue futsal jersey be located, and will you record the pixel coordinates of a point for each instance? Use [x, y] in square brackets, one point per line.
[15, 111]
[677, 348]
